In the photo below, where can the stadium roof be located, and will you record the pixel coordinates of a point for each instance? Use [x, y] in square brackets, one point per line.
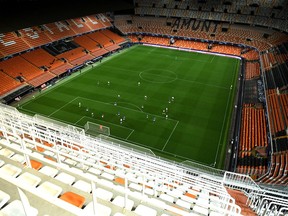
[18, 14]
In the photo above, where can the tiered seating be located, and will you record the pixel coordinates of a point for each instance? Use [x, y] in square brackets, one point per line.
[18, 66]
[155, 40]
[87, 43]
[252, 136]
[284, 105]
[278, 117]
[278, 170]
[265, 61]
[251, 55]
[10, 44]
[253, 131]
[79, 25]
[34, 36]
[236, 33]
[232, 50]
[47, 76]
[97, 22]
[252, 70]
[76, 56]
[62, 69]
[58, 30]
[101, 39]
[116, 38]
[40, 58]
[7, 83]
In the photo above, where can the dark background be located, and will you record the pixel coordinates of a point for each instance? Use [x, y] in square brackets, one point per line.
[18, 14]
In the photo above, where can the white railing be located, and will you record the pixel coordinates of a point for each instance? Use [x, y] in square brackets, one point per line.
[71, 142]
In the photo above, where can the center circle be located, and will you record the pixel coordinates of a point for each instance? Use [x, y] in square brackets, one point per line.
[158, 76]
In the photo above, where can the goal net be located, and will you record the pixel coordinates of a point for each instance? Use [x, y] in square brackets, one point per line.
[96, 129]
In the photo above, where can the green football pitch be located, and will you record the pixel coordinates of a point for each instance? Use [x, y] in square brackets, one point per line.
[176, 103]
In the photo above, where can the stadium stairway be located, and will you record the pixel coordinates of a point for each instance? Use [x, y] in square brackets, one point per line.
[241, 200]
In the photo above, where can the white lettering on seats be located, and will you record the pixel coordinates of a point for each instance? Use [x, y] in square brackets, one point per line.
[31, 33]
[61, 25]
[102, 17]
[79, 25]
[93, 22]
[7, 43]
[48, 29]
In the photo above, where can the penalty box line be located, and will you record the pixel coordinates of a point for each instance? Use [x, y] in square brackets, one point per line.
[62, 106]
[83, 117]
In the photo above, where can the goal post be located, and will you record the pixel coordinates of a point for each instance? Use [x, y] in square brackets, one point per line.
[96, 129]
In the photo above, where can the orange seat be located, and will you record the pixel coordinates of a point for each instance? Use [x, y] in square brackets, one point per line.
[120, 180]
[190, 195]
[73, 198]
[35, 164]
[40, 149]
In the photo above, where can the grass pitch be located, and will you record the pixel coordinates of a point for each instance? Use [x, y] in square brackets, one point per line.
[176, 103]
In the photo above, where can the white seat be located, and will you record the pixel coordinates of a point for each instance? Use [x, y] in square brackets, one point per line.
[15, 146]
[70, 161]
[106, 183]
[143, 210]
[92, 176]
[119, 188]
[65, 178]
[18, 158]
[81, 166]
[212, 213]
[91, 160]
[29, 179]
[37, 155]
[76, 170]
[149, 191]
[135, 186]
[94, 171]
[119, 172]
[119, 214]
[166, 198]
[107, 175]
[4, 198]
[175, 193]
[82, 185]
[15, 208]
[184, 204]
[49, 153]
[119, 201]
[100, 209]
[6, 152]
[10, 170]
[49, 171]
[103, 194]
[158, 203]
[50, 189]
[139, 195]
[200, 209]
[1, 162]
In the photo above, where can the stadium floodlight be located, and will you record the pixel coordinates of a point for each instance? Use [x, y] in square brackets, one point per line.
[96, 129]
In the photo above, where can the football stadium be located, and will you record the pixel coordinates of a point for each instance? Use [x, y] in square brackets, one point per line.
[144, 107]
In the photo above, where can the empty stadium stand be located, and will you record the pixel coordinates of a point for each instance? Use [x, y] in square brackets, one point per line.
[62, 171]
